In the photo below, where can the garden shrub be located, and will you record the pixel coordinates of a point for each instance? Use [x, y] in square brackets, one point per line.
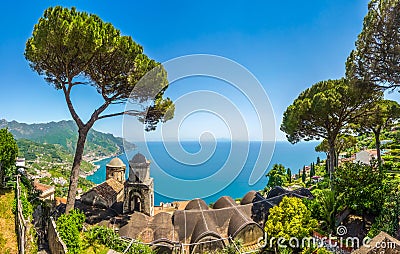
[69, 227]
[108, 237]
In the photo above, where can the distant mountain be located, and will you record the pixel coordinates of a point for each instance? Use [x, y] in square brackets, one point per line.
[65, 134]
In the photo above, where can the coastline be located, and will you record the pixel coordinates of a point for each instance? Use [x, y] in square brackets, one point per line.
[98, 159]
[91, 172]
[293, 156]
[97, 167]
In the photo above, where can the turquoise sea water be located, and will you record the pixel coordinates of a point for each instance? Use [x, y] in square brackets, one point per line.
[187, 166]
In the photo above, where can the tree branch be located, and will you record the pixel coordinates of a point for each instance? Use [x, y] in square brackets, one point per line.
[67, 94]
[80, 83]
[129, 112]
[95, 116]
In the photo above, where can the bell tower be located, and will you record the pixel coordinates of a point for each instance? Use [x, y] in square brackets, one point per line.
[116, 169]
[139, 188]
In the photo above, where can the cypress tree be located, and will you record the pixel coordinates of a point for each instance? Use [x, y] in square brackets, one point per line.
[312, 171]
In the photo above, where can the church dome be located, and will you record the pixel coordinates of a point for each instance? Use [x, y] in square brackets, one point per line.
[196, 204]
[116, 163]
[139, 158]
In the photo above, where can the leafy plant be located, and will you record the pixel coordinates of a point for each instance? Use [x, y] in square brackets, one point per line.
[106, 236]
[315, 250]
[380, 116]
[330, 203]
[8, 153]
[27, 207]
[362, 186]
[69, 227]
[277, 176]
[290, 218]
[376, 57]
[232, 247]
[388, 219]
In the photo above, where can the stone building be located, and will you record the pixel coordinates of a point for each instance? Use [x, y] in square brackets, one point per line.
[104, 195]
[136, 193]
[201, 229]
[191, 227]
[366, 156]
[139, 188]
[116, 169]
[110, 191]
[46, 192]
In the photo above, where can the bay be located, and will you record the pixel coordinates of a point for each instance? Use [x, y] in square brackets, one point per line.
[191, 161]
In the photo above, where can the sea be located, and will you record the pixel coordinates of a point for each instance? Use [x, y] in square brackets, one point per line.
[208, 170]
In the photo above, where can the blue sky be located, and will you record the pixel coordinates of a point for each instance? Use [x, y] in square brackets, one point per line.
[287, 45]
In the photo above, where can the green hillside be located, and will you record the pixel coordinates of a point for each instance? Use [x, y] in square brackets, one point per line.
[45, 156]
[49, 149]
[55, 161]
[65, 134]
[31, 150]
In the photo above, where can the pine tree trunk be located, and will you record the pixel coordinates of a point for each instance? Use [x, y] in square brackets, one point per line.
[378, 147]
[332, 158]
[335, 160]
[73, 182]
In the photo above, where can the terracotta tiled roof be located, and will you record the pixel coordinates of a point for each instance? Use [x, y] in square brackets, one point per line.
[109, 188]
[60, 201]
[44, 189]
[108, 192]
[372, 152]
[41, 187]
[115, 185]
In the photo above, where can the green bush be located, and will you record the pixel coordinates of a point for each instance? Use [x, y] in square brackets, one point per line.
[69, 227]
[388, 219]
[394, 146]
[395, 152]
[362, 186]
[27, 207]
[315, 250]
[8, 152]
[277, 176]
[314, 207]
[324, 184]
[232, 247]
[108, 237]
[290, 218]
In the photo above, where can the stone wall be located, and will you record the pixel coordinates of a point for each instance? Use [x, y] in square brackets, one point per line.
[142, 191]
[250, 235]
[20, 221]
[56, 245]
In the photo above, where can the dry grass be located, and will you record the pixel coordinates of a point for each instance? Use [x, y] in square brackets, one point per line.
[8, 237]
